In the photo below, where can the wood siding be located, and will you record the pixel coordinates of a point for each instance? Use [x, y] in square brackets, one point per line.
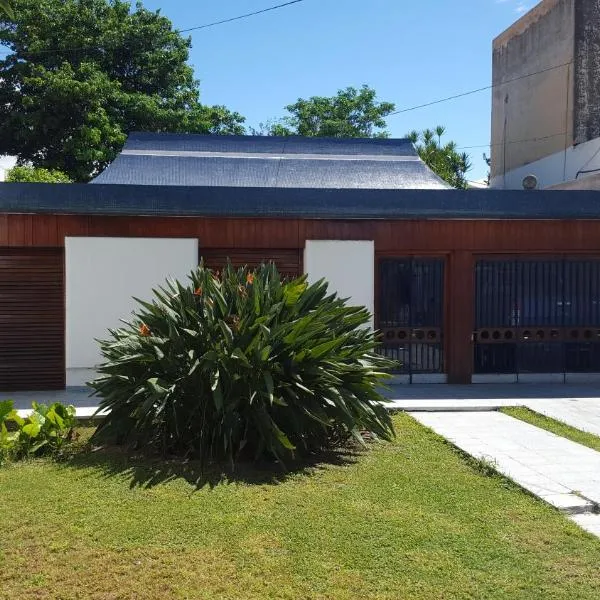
[32, 320]
[287, 260]
[459, 241]
[26, 230]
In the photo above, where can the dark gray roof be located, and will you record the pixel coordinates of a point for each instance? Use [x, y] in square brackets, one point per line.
[269, 162]
[139, 200]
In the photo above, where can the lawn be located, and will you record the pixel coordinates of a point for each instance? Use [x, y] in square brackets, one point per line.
[410, 519]
[558, 427]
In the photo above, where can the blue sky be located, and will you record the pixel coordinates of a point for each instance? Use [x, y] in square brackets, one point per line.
[410, 52]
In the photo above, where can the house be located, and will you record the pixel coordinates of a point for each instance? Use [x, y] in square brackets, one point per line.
[465, 285]
[546, 97]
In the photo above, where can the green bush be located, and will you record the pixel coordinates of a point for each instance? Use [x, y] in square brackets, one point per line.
[45, 431]
[27, 174]
[242, 365]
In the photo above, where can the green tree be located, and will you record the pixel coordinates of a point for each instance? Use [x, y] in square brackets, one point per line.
[29, 174]
[443, 159]
[82, 74]
[350, 113]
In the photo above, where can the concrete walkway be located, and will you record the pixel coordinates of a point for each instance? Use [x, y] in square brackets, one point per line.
[581, 413]
[79, 397]
[575, 404]
[557, 470]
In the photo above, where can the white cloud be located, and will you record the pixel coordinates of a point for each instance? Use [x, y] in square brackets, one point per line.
[519, 6]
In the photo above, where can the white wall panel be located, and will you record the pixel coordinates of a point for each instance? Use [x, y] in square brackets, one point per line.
[348, 266]
[102, 276]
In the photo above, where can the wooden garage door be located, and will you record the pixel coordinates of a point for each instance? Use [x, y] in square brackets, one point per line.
[32, 323]
[288, 261]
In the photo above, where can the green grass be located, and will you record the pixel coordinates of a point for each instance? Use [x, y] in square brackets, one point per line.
[410, 519]
[559, 428]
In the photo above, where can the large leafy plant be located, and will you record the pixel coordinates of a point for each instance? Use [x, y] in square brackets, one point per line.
[46, 430]
[242, 364]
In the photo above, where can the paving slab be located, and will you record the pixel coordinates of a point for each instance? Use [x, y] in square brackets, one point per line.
[498, 392]
[77, 396]
[581, 413]
[590, 522]
[561, 472]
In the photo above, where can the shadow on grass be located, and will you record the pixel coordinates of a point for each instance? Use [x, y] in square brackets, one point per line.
[147, 472]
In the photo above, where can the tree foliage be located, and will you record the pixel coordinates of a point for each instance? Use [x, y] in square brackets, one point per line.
[29, 174]
[82, 74]
[356, 112]
[443, 159]
[242, 364]
[350, 113]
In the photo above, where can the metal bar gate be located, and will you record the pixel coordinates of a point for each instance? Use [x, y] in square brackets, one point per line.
[537, 316]
[410, 313]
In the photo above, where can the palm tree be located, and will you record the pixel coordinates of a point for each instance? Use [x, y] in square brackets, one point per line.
[5, 6]
[443, 158]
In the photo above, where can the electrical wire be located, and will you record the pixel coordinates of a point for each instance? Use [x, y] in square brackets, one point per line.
[477, 90]
[197, 27]
[251, 14]
[583, 170]
[536, 139]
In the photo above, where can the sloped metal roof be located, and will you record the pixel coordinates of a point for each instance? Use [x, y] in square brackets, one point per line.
[269, 162]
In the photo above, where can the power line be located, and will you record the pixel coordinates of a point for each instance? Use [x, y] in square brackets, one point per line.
[536, 139]
[251, 14]
[197, 27]
[475, 91]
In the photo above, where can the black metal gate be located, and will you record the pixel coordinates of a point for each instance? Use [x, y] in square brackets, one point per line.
[537, 316]
[410, 313]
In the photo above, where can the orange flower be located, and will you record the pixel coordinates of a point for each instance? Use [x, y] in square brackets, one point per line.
[198, 292]
[144, 330]
[250, 278]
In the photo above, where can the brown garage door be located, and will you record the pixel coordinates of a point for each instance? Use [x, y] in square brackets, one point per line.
[288, 261]
[32, 323]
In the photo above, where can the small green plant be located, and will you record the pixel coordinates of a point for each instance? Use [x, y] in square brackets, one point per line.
[242, 364]
[7, 438]
[45, 431]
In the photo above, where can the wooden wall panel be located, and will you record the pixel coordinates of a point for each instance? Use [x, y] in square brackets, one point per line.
[288, 260]
[483, 236]
[474, 235]
[32, 319]
[460, 293]
[460, 240]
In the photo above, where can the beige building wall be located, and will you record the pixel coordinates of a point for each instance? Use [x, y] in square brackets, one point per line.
[532, 117]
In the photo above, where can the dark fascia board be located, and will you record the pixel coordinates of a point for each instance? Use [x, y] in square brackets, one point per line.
[179, 201]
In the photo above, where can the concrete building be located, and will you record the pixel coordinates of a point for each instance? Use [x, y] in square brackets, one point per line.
[546, 96]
